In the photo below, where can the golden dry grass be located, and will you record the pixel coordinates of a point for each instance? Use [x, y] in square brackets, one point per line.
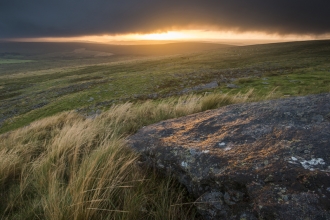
[72, 167]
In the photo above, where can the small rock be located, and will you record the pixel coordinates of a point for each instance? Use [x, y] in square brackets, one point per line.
[232, 86]
[211, 85]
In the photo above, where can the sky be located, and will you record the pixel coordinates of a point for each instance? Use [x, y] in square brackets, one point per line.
[164, 20]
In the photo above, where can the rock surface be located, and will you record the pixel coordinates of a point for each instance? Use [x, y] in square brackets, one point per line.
[267, 160]
[232, 86]
[211, 85]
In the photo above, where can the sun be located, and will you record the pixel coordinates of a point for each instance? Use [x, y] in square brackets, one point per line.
[170, 35]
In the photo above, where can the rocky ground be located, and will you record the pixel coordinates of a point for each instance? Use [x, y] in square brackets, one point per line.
[267, 160]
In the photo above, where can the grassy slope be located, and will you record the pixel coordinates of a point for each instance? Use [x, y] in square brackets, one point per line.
[292, 68]
[72, 167]
[54, 168]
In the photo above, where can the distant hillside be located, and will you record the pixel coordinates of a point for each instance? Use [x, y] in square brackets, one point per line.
[74, 164]
[37, 86]
[27, 48]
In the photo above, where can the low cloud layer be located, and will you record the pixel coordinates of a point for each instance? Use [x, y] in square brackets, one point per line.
[40, 18]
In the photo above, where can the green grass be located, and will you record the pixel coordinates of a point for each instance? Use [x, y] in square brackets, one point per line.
[291, 68]
[58, 163]
[70, 166]
[13, 61]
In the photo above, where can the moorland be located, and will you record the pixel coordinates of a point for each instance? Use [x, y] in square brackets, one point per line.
[66, 109]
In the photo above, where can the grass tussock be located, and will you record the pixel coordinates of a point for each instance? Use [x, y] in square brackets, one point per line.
[72, 167]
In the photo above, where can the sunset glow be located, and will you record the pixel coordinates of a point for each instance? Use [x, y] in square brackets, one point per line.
[170, 35]
[180, 35]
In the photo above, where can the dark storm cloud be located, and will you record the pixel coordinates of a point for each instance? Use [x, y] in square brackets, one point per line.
[44, 18]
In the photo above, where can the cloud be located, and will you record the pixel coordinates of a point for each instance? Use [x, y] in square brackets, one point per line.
[40, 18]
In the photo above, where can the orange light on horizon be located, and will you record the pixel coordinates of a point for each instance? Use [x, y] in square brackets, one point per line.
[170, 35]
[179, 35]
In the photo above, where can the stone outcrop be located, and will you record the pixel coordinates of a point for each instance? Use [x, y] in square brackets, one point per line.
[266, 160]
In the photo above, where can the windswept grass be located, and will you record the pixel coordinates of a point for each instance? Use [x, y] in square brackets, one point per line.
[72, 167]
[27, 95]
[68, 167]
[65, 165]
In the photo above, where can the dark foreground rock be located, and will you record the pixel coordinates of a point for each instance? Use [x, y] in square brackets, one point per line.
[267, 160]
